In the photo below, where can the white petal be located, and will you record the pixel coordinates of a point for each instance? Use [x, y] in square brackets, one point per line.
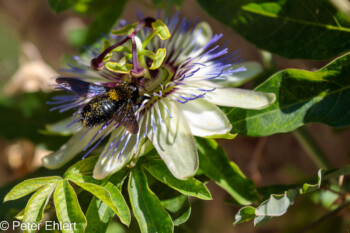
[235, 97]
[119, 156]
[237, 79]
[61, 127]
[71, 148]
[114, 160]
[205, 119]
[174, 142]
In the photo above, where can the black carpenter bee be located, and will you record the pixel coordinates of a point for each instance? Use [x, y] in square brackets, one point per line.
[118, 103]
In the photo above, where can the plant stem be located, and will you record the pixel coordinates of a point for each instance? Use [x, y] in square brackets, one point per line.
[311, 148]
[324, 217]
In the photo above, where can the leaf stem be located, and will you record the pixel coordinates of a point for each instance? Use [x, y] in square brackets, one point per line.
[311, 148]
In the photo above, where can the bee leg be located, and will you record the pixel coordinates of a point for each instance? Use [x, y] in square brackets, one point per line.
[128, 121]
[132, 126]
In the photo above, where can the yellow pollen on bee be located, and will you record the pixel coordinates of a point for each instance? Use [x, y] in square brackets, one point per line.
[242, 95]
[113, 95]
[256, 97]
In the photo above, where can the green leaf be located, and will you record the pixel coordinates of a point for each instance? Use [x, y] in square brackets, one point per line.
[28, 186]
[119, 202]
[309, 29]
[244, 214]
[61, 5]
[118, 178]
[99, 215]
[307, 187]
[147, 208]
[34, 211]
[68, 209]
[105, 20]
[177, 205]
[102, 194]
[191, 187]
[215, 164]
[83, 179]
[301, 97]
[179, 209]
[266, 191]
[20, 215]
[276, 205]
[83, 167]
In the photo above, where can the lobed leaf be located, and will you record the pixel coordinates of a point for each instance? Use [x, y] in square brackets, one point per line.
[302, 97]
[28, 186]
[99, 215]
[83, 167]
[308, 29]
[68, 210]
[34, 211]
[190, 187]
[146, 206]
[103, 194]
[83, 179]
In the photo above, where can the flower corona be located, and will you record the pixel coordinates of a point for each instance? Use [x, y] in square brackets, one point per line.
[154, 80]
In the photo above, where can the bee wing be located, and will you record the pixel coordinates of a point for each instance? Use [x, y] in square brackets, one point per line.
[80, 87]
[126, 117]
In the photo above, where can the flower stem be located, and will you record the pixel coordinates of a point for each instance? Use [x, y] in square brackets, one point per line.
[311, 148]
